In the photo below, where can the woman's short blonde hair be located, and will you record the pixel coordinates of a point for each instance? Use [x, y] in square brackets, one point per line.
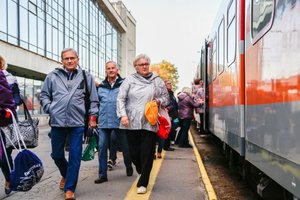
[141, 56]
[187, 90]
[2, 63]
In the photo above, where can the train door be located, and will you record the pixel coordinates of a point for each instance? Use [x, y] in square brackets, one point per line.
[204, 68]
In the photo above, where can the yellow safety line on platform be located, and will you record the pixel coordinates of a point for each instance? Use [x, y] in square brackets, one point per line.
[208, 186]
[132, 195]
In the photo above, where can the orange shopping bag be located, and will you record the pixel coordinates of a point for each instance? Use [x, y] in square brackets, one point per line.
[151, 112]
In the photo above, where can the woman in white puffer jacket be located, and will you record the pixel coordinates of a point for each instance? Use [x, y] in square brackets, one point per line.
[134, 93]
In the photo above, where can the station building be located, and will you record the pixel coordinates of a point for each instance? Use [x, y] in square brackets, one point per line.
[34, 32]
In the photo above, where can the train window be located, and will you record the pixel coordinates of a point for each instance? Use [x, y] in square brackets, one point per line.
[209, 61]
[231, 33]
[221, 59]
[231, 12]
[262, 16]
[214, 56]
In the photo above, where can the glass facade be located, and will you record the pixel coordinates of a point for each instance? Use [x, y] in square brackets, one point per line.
[31, 90]
[46, 27]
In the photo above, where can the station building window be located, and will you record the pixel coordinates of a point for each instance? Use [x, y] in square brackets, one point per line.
[30, 90]
[47, 27]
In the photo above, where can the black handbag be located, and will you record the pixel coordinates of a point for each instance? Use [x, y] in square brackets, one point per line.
[28, 130]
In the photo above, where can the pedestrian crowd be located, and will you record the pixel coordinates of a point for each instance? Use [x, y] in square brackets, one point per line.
[115, 107]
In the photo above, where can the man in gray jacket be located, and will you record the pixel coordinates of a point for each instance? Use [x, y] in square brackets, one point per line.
[63, 98]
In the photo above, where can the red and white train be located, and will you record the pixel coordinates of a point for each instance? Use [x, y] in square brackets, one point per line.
[250, 64]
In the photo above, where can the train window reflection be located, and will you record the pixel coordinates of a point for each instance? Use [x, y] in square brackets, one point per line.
[231, 47]
[221, 60]
[231, 12]
[214, 56]
[262, 11]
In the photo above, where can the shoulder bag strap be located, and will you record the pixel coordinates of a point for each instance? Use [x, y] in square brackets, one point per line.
[26, 112]
[87, 93]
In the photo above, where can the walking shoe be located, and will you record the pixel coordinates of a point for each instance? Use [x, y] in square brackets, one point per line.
[62, 183]
[70, 195]
[101, 180]
[111, 164]
[6, 188]
[141, 190]
[129, 171]
[159, 155]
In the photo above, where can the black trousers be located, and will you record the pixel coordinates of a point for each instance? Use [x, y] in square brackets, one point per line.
[171, 136]
[3, 161]
[202, 123]
[141, 145]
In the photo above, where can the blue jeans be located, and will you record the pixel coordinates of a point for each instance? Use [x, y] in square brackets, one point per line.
[68, 169]
[113, 146]
[104, 136]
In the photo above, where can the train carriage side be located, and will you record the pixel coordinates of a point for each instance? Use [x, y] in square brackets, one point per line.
[223, 77]
[272, 68]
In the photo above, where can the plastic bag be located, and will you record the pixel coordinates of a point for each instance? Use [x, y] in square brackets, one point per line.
[164, 124]
[151, 112]
[90, 149]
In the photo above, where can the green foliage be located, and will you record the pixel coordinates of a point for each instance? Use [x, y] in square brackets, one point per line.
[166, 70]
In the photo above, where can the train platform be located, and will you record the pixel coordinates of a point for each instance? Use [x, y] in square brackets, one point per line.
[180, 174]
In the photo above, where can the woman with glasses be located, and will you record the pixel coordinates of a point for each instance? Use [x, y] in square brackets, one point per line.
[138, 89]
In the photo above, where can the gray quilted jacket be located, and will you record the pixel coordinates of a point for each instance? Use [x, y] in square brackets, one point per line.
[133, 95]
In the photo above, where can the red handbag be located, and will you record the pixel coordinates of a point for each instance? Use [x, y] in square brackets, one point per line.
[164, 124]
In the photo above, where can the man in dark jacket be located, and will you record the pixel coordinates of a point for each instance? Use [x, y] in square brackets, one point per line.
[173, 113]
[109, 121]
[63, 98]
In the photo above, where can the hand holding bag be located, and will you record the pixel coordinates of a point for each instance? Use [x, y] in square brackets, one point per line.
[28, 129]
[90, 150]
[151, 112]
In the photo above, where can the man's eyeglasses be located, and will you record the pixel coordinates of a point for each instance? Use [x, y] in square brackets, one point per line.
[70, 58]
[142, 64]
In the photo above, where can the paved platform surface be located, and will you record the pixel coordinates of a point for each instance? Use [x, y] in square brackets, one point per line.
[175, 176]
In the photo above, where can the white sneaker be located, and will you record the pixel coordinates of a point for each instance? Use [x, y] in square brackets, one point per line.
[141, 190]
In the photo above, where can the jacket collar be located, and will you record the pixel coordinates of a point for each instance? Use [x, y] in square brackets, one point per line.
[105, 83]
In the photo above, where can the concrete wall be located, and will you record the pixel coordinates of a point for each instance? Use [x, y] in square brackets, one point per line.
[128, 46]
[25, 63]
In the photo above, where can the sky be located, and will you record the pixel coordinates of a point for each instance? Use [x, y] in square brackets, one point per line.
[173, 30]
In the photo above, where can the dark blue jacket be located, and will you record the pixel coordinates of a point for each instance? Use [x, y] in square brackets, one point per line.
[173, 106]
[107, 110]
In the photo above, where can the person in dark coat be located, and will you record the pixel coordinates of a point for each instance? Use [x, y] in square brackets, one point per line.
[186, 106]
[173, 113]
[6, 102]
